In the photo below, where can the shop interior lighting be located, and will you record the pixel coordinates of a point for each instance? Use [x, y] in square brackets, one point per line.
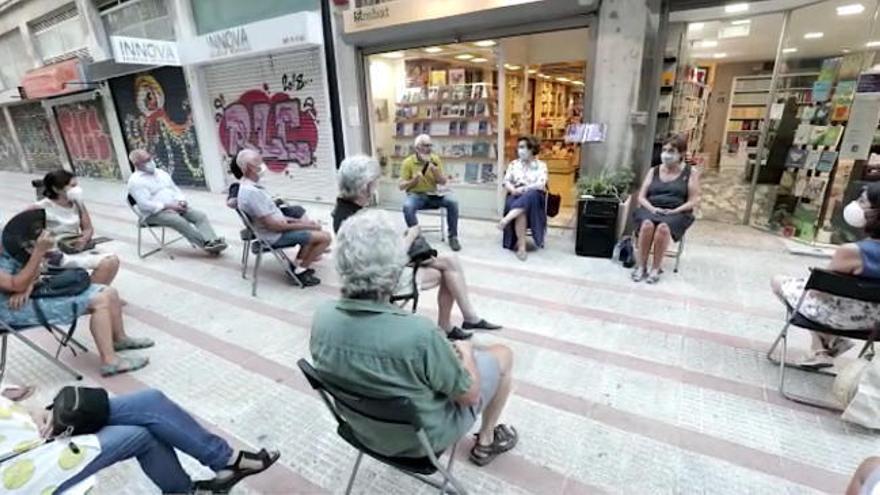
[464, 56]
[544, 76]
[579, 83]
[512, 67]
[719, 55]
[741, 22]
[485, 43]
[872, 44]
[813, 36]
[563, 79]
[707, 43]
[433, 49]
[479, 60]
[789, 50]
[844, 50]
[532, 71]
[736, 8]
[394, 55]
[695, 26]
[851, 9]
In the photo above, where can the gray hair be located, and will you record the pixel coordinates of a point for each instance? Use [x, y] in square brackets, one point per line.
[422, 139]
[244, 158]
[370, 255]
[355, 175]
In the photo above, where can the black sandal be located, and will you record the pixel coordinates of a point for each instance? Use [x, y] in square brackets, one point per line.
[238, 473]
[506, 438]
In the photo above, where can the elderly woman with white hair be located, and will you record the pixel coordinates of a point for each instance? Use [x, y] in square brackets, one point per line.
[358, 176]
[399, 354]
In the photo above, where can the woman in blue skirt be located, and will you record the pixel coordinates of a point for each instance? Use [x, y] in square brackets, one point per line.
[526, 183]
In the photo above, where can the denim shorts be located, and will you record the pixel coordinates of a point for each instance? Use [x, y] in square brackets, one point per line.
[293, 238]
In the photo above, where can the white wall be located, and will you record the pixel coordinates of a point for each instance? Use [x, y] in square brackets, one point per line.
[387, 81]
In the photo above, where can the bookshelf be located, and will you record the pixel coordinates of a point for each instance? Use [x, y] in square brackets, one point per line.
[461, 121]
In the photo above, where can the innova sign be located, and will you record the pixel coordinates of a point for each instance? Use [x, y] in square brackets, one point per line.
[144, 51]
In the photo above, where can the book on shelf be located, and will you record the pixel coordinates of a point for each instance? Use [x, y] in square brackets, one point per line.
[817, 135]
[796, 158]
[812, 159]
[471, 172]
[800, 184]
[832, 136]
[487, 173]
[456, 76]
[473, 128]
[826, 161]
[802, 134]
[814, 190]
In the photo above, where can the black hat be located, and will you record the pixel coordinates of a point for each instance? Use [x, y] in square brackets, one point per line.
[22, 231]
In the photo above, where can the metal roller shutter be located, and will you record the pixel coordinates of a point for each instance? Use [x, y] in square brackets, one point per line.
[278, 105]
[32, 127]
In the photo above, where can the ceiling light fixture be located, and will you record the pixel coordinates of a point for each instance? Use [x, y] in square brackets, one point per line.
[563, 79]
[695, 26]
[433, 49]
[393, 55]
[532, 71]
[579, 83]
[741, 22]
[789, 50]
[485, 43]
[707, 43]
[851, 9]
[513, 67]
[844, 50]
[479, 60]
[872, 44]
[719, 55]
[464, 56]
[813, 36]
[736, 8]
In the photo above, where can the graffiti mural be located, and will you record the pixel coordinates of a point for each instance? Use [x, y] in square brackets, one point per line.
[155, 115]
[87, 138]
[34, 135]
[283, 128]
[9, 157]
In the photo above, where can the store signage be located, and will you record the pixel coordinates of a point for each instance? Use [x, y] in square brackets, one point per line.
[289, 31]
[390, 13]
[144, 51]
[53, 80]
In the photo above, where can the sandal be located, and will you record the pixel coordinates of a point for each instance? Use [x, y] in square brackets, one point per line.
[638, 274]
[237, 473]
[18, 393]
[506, 439]
[653, 277]
[130, 343]
[124, 365]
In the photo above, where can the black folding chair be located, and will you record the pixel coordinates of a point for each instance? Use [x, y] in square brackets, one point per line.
[670, 253]
[836, 284]
[259, 246]
[65, 341]
[395, 411]
[408, 290]
[143, 224]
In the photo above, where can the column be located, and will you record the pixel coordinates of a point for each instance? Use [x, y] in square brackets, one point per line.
[25, 166]
[96, 37]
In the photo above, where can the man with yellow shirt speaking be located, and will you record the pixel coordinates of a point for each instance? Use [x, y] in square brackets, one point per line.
[422, 178]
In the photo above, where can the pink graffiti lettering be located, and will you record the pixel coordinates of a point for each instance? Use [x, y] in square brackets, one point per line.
[284, 129]
[84, 134]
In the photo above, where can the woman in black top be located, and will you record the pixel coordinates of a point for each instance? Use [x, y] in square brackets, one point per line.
[667, 199]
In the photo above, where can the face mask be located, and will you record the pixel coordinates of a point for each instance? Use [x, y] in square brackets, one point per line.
[854, 215]
[669, 157]
[150, 167]
[75, 194]
[262, 170]
[523, 153]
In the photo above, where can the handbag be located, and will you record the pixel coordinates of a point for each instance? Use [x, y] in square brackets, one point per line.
[420, 251]
[863, 407]
[79, 411]
[624, 252]
[61, 282]
[554, 201]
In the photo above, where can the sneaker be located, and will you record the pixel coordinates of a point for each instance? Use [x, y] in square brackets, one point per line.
[458, 334]
[307, 279]
[454, 244]
[817, 360]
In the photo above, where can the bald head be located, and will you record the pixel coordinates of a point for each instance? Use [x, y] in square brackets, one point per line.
[138, 157]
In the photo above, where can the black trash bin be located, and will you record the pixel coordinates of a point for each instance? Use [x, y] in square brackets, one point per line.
[597, 227]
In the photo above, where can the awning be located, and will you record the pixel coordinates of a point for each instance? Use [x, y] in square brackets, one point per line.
[53, 80]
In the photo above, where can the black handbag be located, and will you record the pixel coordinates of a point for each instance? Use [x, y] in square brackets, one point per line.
[61, 282]
[79, 411]
[554, 201]
[420, 251]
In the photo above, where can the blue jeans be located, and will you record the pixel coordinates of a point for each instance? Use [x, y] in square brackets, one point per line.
[418, 201]
[149, 426]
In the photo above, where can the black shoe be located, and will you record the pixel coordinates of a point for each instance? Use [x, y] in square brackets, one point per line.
[480, 325]
[458, 334]
[454, 244]
[307, 279]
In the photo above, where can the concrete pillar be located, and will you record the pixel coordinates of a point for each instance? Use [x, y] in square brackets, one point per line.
[115, 128]
[29, 46]
[620, 85]
[350, 93]
[14, 135]
[200, 102]
[96, 37]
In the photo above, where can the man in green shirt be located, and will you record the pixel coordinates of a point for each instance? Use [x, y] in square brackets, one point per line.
[420, 174]
[365, 344]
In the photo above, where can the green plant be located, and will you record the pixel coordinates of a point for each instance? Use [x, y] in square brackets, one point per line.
[614, 183]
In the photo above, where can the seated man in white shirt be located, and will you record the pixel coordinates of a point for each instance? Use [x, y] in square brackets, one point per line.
[164, 204]
[270, 223]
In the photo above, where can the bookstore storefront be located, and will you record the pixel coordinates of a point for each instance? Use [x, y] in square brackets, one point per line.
[785, 113]
[474, 90]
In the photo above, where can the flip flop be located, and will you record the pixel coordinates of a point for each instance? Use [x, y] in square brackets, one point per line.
[130, 343]
[124, 365]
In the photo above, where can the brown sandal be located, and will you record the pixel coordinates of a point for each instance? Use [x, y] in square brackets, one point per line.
[505, 439]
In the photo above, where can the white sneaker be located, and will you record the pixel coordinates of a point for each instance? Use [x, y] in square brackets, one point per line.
[817, 360]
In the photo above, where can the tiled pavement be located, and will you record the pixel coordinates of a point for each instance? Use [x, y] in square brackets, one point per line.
[621, 388]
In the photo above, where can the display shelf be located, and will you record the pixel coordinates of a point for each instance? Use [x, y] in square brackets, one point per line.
[487, 136]
[450, 158]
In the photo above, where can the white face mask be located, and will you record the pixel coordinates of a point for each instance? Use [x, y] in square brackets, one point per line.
[854, 215]
[261, 171]
[669, 157]
[150, 167]
[523, 153]
[75, 194]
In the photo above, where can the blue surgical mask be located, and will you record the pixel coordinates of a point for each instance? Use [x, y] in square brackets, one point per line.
[669, 157]
[150, 167]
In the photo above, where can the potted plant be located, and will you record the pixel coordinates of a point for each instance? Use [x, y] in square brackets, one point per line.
[603, 206]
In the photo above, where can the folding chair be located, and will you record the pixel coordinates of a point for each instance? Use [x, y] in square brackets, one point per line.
[441, 228]
[398, 411]
[64, 341]
[670, 253]
[143, 224]
[835, 284]
[408, 289]
[259, 246]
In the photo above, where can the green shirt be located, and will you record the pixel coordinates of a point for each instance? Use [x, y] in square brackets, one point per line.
[412, 165]
[379, 350]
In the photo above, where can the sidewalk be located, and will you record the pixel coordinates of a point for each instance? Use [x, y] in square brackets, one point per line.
[621, 388]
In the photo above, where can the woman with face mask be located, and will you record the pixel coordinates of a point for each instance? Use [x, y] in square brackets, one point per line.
[526, 183]
[69, 221]
[667, 199]
[860, 258]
